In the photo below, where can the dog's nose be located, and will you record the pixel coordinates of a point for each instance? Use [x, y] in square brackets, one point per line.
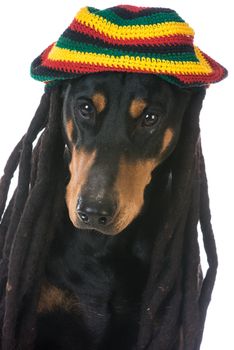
[96, 213]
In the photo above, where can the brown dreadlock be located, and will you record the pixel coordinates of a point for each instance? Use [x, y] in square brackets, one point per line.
[171, 297]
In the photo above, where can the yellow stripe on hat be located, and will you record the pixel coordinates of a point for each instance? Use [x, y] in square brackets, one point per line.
[104, 26]
[137, 63]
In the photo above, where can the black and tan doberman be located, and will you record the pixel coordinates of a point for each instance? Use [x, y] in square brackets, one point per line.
[120, 130]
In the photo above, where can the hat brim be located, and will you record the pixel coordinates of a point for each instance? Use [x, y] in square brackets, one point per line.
[56, 63]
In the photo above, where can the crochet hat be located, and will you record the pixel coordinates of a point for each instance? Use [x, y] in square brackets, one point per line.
[128, 39]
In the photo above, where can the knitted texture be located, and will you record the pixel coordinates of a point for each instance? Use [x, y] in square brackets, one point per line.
[128, 39]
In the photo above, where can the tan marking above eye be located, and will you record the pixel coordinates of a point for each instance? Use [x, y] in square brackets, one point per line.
[79, 167]
[52, 298]
[132, 178]
[137, 107]
[167, 138]
[69, 129]
[99, 101]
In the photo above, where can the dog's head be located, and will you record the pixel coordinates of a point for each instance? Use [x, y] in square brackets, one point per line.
[119, 127]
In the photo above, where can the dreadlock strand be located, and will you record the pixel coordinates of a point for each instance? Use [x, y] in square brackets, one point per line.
[168, 275]
[166, 336]
[35, 160]
[210, 248]
[191, 263]
[9, 170]
[5, 224]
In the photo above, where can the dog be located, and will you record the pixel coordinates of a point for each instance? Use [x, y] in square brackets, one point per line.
[120, 131]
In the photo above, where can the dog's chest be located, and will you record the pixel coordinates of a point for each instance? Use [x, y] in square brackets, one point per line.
[106, 278]
[108, 273]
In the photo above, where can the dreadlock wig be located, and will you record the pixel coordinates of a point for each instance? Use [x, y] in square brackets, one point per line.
[175, 297]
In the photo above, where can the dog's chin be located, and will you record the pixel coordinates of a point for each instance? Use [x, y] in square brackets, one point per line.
[110, 230]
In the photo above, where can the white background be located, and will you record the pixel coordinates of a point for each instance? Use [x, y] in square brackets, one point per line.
[27, 27]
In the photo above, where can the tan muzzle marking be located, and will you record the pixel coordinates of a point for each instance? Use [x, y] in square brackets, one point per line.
[132, 179]
[80, 165]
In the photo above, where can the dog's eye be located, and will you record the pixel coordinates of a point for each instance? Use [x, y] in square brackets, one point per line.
[86, 109]
[150, 119]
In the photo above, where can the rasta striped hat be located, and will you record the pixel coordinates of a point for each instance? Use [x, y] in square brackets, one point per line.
[128, 39]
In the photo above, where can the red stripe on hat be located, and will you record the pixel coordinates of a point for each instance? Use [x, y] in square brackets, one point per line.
[77, 67]
[166, 40]
[46, 52]
[131, 8]
[218, 72]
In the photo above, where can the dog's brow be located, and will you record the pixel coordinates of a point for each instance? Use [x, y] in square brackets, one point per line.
[99, 101]
[137, 106]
